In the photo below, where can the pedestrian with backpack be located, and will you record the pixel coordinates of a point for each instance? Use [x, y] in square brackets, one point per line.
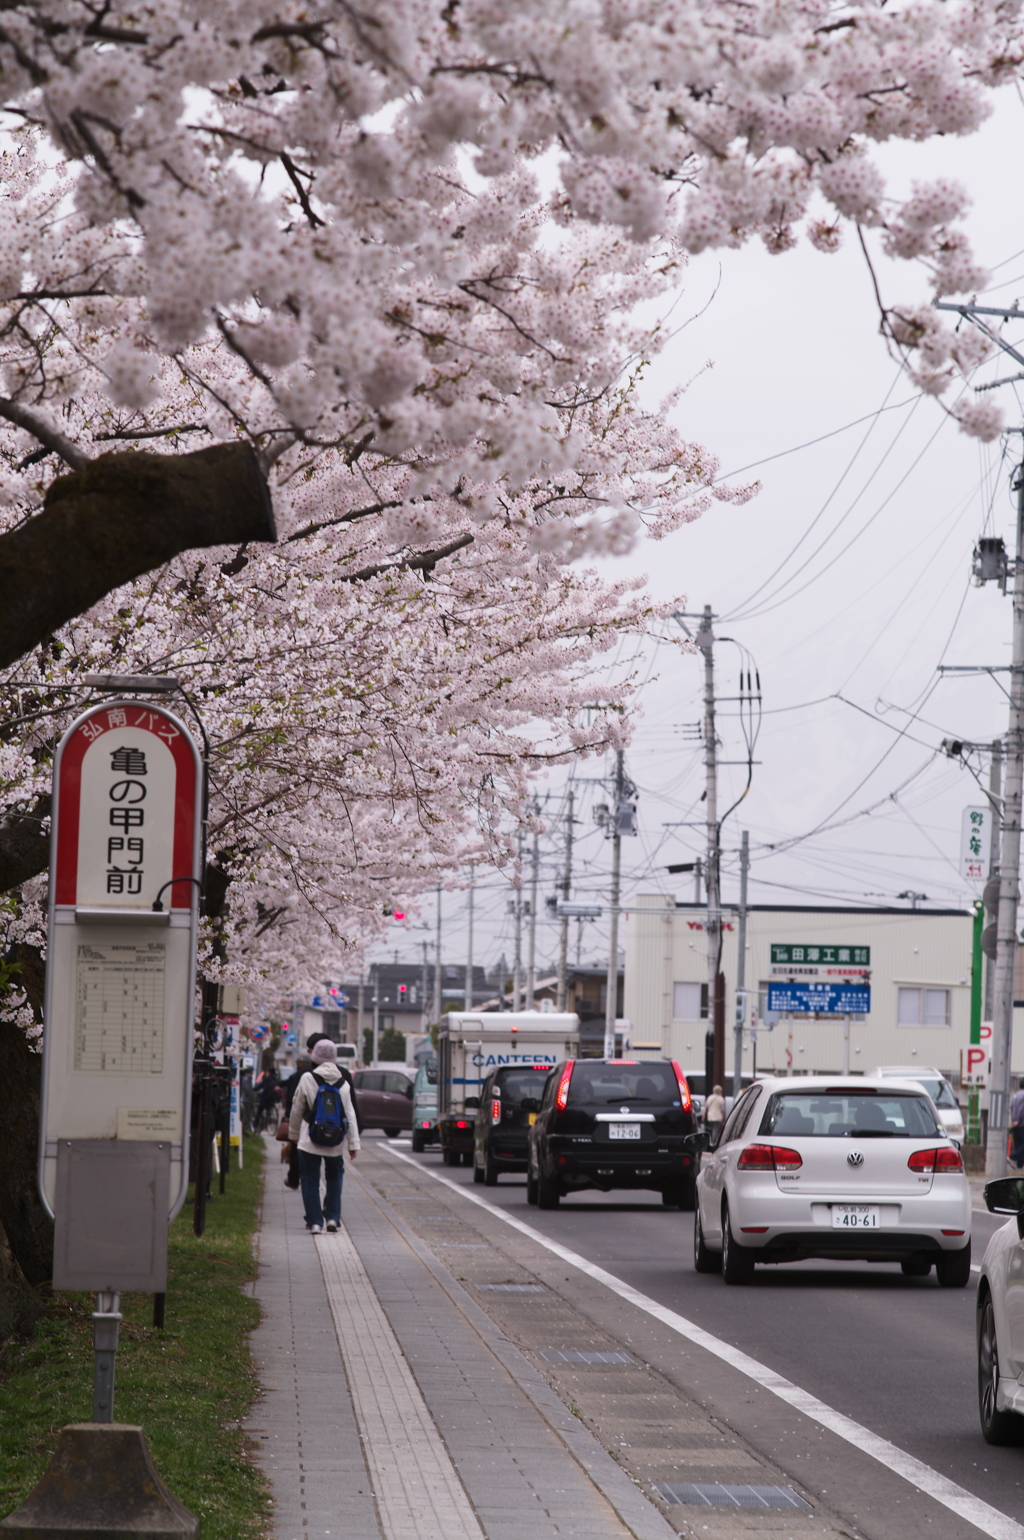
[323, 1124]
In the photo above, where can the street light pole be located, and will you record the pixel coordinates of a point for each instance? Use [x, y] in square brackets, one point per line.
[437, 963]
[1009, 873]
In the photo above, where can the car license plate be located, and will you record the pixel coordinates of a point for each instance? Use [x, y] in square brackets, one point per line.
[855, 1216]
[623, 1130]
[532, 1116]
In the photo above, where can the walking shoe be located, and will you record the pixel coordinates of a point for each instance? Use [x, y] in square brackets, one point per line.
[332, 1224]
[316, 1229]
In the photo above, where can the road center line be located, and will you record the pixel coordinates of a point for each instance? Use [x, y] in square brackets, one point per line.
[989, 1520]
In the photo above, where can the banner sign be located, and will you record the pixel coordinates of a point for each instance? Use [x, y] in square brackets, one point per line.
[824, 999]
[975, 834]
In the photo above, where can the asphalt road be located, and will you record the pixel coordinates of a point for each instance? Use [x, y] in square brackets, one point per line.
[896, 1354]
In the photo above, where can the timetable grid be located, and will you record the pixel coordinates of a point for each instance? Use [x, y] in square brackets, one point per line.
[119, 1008]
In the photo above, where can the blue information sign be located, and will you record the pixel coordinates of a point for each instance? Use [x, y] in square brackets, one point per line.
[830, 999]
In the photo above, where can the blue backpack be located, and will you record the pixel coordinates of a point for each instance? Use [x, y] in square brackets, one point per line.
[328, 1124]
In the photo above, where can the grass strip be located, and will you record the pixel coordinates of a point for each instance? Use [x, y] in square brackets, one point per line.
[187, 1386]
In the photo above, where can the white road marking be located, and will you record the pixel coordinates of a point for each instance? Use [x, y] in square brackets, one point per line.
[989, 1520]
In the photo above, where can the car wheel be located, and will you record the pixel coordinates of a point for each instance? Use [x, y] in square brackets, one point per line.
[391, 1133]
[953, 1268]
[490, 1172]
[737, 1260]
[996, 1427]
[704, 1261]
[672, 1197]
[916, 1267]
[531, 1189]
[450, 1158]
[478, 1174]
[467, 1157]
[417, 1141]
[548, 1191]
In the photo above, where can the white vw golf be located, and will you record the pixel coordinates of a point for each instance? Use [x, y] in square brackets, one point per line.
[838, 1167]
[1001, 1318]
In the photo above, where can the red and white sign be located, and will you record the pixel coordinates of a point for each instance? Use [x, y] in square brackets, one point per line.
[974, 1065]
[128, 783]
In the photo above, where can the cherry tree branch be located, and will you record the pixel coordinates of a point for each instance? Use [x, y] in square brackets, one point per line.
[42, 430]
[425, 562]
[117, 517]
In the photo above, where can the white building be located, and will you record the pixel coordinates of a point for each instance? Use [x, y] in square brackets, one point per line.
[920, 981]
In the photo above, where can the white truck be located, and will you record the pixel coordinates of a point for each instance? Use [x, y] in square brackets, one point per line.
[472, 1043]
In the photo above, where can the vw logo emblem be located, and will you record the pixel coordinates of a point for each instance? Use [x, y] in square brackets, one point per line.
[855, 1159]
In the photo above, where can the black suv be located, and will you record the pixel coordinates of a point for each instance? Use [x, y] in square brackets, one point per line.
[610, 1123]
[509, 1103]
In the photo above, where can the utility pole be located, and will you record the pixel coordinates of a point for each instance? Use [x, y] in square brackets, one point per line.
[566, 889]
[469, 954]
[698, 878]
[517, 911]
[1009, 872]
[1009, 864]
[359, 1015]
[612, 990]
[437, 962]
[423, 988]
[995, 787]
[741, 967]
[376, 1013]
[714, 1046]
[531, 956]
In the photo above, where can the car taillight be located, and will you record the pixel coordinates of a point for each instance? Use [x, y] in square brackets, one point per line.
[769, 1157]
[461, 1124]
[946, 1158]
[684, 1090]
[426, 1122]
[562, 1094]
[495, 1112]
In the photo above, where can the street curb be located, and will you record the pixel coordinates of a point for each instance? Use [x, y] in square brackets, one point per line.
[640, 1516]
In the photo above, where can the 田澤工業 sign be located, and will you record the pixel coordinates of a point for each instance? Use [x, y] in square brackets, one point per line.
[822, 955]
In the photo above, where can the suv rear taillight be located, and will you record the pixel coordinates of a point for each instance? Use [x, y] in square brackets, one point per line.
[685, 1098]
[495, 1112]
[562, 1094]
[945, 1158]
[769, 1157]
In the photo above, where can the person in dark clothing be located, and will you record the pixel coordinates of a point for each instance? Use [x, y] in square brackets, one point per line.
[303, 1061]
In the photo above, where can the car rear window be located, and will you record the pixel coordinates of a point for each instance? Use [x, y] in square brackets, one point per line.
[604, 1084]
[513, 1084]
[849, 1114]
[939, 1092]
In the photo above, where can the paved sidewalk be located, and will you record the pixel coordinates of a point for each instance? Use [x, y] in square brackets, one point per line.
[388, 1414]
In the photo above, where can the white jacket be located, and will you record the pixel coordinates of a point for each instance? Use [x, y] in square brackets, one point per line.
[305, 1097]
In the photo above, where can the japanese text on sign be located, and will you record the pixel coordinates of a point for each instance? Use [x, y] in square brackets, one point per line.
[809, 953]
[820, 999]
[975, 834]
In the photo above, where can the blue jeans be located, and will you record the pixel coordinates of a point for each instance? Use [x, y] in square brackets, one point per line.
[309, 1180]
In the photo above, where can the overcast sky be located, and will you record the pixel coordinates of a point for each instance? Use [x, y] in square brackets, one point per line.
[850, 574]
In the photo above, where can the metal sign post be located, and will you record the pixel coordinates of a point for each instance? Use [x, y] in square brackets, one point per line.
[120, 985]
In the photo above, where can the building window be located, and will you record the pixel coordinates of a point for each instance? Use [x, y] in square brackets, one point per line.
[923, 1008]
[689, 1002]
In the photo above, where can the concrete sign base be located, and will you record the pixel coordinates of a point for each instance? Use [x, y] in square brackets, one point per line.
[101, 1485]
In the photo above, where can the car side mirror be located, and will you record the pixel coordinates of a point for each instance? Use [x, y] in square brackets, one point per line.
[694, 1143]
[472, 1103]
[1006, 1196]
[529, 1104]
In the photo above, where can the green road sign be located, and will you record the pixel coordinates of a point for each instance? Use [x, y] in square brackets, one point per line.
[853, 956]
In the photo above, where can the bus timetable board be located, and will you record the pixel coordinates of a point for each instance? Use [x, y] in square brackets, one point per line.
[120, 976]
